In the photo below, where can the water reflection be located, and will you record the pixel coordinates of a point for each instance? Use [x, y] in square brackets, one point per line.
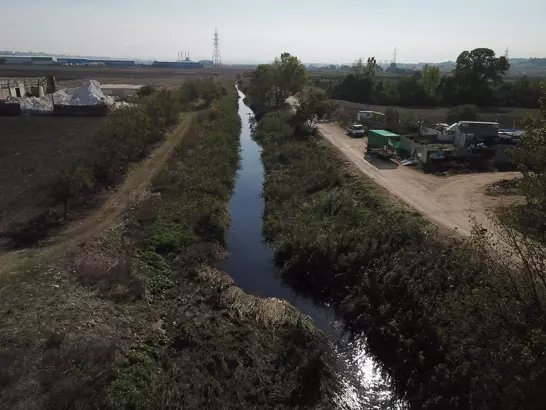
[251, 265]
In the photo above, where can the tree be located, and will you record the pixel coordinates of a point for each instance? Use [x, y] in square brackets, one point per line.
[271, 84]
[371, 66]
[289, 78]
[369, 69]
[358, 68]
[260, 89]
[313, 105]
[73, 181]
[431, 79]
[531, 158]
[475, 71]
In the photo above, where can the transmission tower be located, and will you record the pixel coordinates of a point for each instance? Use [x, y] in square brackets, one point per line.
[216, 59]
[506, 52]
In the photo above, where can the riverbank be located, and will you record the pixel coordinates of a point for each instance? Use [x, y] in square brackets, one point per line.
[139, 317]
[440, 322]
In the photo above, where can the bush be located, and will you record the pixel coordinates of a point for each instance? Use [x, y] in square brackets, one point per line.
[146, 90]
[462, 113]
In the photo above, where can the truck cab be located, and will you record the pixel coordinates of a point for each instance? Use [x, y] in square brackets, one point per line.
[356, 130]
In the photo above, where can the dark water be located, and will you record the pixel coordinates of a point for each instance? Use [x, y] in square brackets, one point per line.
[251, 261]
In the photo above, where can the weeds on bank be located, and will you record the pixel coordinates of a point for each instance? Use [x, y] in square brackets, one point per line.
[225, 348]
[438, 316]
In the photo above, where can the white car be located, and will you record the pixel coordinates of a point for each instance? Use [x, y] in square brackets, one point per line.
[356, 130]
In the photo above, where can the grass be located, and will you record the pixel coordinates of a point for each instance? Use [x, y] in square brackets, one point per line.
[438, 318]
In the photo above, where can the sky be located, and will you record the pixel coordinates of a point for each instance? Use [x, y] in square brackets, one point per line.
[253, 31]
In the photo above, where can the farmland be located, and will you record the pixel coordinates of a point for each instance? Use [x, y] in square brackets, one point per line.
[72, 76]
[33, 149]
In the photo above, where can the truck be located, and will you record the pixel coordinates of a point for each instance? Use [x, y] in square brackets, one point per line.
[356, 130]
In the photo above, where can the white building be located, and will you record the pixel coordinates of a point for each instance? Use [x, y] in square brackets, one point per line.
[120, 90]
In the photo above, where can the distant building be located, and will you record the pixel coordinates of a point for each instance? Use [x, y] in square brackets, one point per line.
[177, 64]
[19, 87]
[96, 62]
[28, 60]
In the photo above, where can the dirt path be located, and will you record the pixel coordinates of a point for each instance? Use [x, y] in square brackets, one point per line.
[449, 202]
[134, 186]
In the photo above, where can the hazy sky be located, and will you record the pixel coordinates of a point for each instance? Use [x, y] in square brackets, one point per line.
[258, 30]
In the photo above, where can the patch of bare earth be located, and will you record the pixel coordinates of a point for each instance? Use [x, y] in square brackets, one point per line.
[65, 325]
[452, 203]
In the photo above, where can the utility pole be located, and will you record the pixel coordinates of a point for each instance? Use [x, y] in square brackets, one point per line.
[216, 59]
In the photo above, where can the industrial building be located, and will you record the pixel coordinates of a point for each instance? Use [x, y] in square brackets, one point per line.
[96, 62]
[28, 60]
[20, 87]
[176, 64]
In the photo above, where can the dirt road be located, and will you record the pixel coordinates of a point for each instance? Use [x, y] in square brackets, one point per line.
[449, 202]
[132, 189]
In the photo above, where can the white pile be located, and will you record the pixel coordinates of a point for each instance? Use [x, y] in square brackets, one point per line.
[89, 93]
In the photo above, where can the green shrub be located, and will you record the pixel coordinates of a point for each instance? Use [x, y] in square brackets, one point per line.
[462, 113]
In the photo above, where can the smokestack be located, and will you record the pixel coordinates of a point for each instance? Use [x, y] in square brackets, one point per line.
[178, 58]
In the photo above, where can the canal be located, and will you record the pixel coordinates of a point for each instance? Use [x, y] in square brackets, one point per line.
[251, 265]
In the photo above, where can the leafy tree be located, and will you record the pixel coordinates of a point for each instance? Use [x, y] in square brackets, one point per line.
[354, 88]
[368, 69]
[475, 71]
[72, 182]
[261, 88]
[313, 105]
[271, 84]
[431, 79]
[358, 67]
[531, 158]
[289, 78]
[371, 66]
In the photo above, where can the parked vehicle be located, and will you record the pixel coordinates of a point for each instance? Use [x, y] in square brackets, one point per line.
[356, 130]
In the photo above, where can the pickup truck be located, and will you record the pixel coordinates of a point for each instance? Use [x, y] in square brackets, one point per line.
[355, 130]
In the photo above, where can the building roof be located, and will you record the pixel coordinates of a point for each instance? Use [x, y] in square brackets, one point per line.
[121, 86]
[385, 133]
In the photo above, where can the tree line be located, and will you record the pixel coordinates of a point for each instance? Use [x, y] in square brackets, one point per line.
[477, 79]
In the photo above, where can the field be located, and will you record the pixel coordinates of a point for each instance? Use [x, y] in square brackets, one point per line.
[32, 151]
[506, 116]
[73, 76]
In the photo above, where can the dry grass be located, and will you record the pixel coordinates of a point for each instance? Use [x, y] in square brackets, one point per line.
[73, 336]
[272, 313]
